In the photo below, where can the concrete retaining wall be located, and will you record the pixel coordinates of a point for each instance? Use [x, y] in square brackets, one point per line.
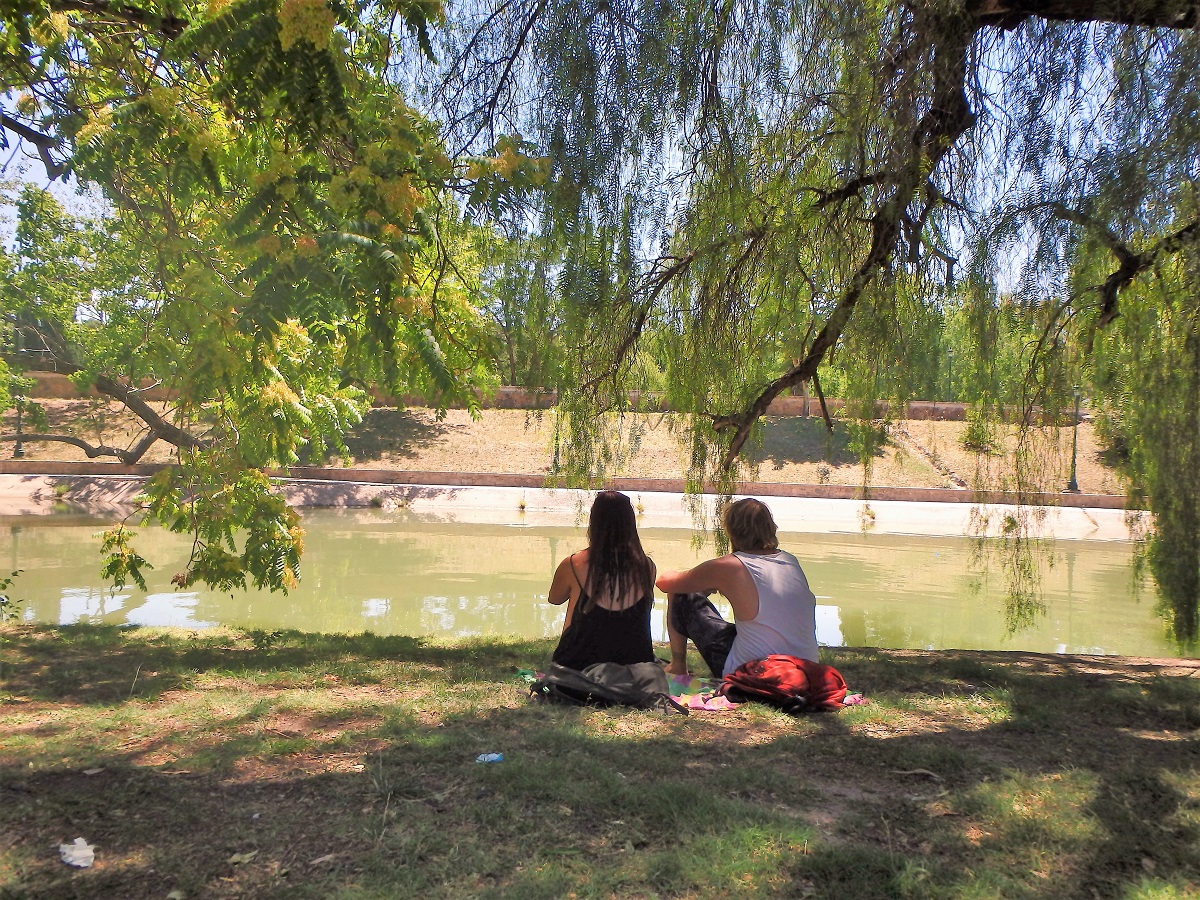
[628, 485]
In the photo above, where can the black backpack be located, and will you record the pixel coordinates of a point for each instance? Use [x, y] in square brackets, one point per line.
[641, 685]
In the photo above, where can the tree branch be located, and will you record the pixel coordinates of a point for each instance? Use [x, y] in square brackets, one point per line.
[106, 384]
[947, 119]
[128, 457]
[44, 143]
[1129, 263]
[168, 26]
[851, 188]
[1007, 14]
[489, 110]
[816, 380]
[664, 271]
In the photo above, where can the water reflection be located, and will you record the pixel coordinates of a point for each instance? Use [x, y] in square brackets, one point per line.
[396, 573]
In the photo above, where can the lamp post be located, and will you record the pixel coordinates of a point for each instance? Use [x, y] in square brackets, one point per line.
[950, 374]
[1073, 485]
[18, 449]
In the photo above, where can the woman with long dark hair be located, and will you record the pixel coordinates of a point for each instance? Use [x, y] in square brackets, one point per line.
[609, 589]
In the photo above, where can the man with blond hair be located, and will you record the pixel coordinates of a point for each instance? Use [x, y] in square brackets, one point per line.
[774, 611]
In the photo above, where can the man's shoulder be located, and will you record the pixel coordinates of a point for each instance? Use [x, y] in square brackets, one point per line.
[777, 555]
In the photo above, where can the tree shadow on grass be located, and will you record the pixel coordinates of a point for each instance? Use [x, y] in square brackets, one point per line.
[100, 664]
[1064, 779]
[386, 432]
[794, 440]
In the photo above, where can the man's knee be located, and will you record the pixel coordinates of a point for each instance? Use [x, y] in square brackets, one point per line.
[682, 610]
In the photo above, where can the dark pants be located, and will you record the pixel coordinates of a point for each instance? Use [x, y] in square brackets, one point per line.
[695, 617]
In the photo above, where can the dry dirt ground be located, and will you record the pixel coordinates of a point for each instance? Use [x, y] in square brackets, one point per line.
[791, 450]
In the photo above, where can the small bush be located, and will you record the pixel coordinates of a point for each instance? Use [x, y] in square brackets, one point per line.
[980, 436]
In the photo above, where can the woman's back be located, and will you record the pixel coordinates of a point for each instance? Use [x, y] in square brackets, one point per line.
[610, 586]
[599, 632]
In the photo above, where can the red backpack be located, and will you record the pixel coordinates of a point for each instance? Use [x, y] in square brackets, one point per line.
[793, 684]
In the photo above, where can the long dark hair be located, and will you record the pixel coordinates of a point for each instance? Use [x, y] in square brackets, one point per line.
[617, 564]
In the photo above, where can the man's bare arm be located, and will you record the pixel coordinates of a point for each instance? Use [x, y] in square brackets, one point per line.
[702, 579]
[725, 574]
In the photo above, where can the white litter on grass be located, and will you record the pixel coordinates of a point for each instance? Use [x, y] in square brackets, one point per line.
[80, 853]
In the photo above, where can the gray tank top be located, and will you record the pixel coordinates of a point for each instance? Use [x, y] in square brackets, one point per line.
[787, 612]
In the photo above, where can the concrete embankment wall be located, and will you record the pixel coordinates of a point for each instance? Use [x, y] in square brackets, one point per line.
[32, 487]
[67, 468]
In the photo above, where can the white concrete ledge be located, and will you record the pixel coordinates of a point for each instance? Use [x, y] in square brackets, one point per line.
[535, 506]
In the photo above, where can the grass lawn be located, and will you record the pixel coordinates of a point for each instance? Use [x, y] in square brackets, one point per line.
[230, 764]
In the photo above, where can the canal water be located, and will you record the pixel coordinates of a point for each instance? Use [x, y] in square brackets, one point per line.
[401, 573]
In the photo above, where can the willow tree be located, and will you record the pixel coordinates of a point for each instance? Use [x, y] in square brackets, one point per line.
[288, 227]
[773, 184]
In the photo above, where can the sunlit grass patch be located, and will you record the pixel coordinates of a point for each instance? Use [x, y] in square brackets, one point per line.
[745, 859]
[1157, 889]
[1050, 803]
[1038, 829]
[971, 711]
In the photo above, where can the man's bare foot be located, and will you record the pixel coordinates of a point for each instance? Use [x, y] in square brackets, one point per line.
[674, 668]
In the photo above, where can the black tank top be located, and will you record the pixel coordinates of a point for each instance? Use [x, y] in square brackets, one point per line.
[606, 635]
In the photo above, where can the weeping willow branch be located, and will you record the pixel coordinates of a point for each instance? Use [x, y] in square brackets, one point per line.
[666, 270]
[948, 118]
[1129, 263]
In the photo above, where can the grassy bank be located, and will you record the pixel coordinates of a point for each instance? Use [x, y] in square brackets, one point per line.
[797, 450]
[226, 764]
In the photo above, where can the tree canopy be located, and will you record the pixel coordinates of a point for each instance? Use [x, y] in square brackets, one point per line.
[285, 233]
[762, 190]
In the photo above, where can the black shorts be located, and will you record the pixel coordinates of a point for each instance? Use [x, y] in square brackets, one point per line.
[695, 617]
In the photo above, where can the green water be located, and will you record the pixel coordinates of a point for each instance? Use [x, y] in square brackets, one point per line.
[395, 573]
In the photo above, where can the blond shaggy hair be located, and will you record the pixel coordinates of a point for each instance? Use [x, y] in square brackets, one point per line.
[750, 526]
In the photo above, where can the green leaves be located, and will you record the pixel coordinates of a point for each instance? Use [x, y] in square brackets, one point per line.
[200, 501]
[278, 218]
[122, 563]
[8, 607]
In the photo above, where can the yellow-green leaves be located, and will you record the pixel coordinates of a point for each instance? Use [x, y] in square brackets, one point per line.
[305, 20]
[122, 563]
[505, 178]
[245, 533]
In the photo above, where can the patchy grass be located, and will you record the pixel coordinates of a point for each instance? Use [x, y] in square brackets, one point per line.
[220, 764]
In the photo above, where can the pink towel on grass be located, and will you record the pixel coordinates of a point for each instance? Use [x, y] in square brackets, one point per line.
[698, 693]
